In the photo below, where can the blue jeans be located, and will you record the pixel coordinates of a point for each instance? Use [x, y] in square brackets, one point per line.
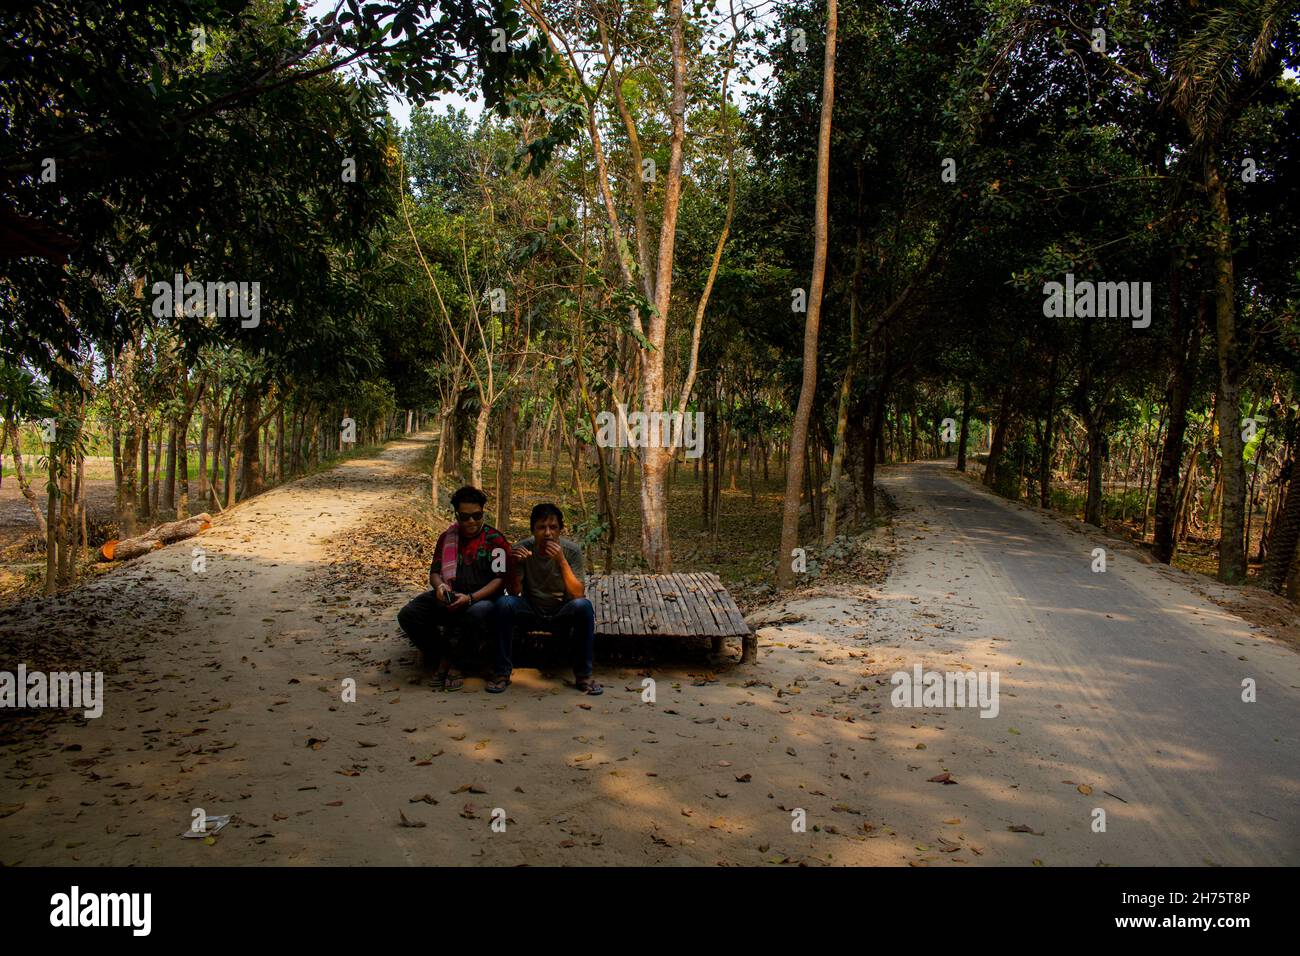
[576, 619]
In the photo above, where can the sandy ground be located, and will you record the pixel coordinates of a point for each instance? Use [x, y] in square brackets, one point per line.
[229, 699]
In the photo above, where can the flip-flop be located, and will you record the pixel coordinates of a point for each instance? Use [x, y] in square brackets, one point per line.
[589, 686]
[497, 685]
[453, 681]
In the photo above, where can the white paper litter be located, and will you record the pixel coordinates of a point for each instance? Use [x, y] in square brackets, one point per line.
[214, 824]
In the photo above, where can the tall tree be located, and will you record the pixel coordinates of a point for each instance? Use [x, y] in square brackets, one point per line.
[803, 412]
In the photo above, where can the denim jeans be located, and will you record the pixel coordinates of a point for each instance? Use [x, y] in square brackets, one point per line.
[575, 619]
[438, 632]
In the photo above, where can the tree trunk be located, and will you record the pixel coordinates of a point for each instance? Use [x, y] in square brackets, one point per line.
[145, 509]
[1045, 453]
[227, 453]
[913, 451]
[846, 386]
[440, 456]
[51, 529]
[655, 548]
[217, 444]
[1182, 359]
[480, 441]
[709, 413]
[279, 446]
[203, 457]
[964, 433]
[1284, 536]
[250, 465]
[169, 473]
[183, 465]
[1232, 553]
[66, 545]
[557, 445]
[81, 500]
[715, 492]
[808, 387]
[117, 467]
[156, 479]
[1188, 490]
[1092, 505]
[871, 457]
[999, 439]
[130, 449]
[505, 471]
[23, 485]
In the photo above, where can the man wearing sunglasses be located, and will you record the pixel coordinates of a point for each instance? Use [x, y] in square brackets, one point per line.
[466, 575]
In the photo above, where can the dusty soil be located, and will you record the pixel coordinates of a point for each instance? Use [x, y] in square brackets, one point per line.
[228, 697]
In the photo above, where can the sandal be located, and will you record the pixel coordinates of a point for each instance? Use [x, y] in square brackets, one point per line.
[589, 686]
[453, 680]
[497, 685]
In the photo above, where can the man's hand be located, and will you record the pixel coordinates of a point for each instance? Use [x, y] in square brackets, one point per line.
[553, 551]
[520, 554]
[461, 602]
[442, 590]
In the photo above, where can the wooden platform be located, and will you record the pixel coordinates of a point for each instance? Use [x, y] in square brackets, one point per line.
[669, 605]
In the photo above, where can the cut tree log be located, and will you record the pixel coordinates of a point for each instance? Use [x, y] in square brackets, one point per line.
[155, 538]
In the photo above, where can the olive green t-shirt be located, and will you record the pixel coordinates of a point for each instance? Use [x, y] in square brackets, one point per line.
[541, 580]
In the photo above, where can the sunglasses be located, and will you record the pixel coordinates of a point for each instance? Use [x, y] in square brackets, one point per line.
[462, 516]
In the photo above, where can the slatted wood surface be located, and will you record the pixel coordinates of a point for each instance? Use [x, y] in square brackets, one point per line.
[671, 605]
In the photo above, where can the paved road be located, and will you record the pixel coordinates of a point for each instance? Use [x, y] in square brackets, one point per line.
[1128, 682]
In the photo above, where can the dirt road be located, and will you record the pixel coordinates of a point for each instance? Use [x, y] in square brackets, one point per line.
[233, 703]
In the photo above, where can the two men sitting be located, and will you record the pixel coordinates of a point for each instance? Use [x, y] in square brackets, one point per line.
[473, 566]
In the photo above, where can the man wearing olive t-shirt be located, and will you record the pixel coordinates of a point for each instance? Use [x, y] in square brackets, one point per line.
[547, 576]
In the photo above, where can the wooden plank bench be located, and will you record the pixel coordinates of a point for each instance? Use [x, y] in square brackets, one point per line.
[669, 605]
